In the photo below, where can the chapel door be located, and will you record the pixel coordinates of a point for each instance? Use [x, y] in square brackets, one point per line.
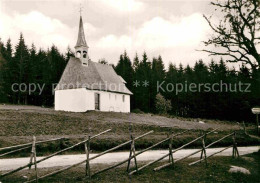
[97, 101]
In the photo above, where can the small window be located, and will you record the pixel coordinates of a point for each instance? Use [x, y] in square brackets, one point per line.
[78, 54]
[123, 98]
[85, 56]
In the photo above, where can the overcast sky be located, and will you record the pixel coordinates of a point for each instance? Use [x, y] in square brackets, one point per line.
[174, 29]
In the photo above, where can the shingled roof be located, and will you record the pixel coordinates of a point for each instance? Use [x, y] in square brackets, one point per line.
[95, 76]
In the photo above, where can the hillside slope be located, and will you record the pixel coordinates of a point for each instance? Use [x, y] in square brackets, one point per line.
[19, 123]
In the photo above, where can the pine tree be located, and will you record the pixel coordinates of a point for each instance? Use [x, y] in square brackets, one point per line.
[171, 79]
[40, 77]
[136, 62]
[20, 68]
[125, 70]
[143, 77]
[222, 70]
[3, 96]
[33, 71]
[157, 77]
[54, 66]
[188, 74]
[7, 72]
[200, 103]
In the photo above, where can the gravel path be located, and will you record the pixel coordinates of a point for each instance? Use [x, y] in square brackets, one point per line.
[65, 160]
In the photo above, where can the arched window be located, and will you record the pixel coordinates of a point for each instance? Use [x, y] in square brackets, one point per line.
[84, 54]
[78, 54]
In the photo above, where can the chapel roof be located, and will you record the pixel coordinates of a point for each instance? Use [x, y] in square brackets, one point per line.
[94, 76]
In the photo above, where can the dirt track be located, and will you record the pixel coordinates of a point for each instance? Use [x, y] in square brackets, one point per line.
[65, 160]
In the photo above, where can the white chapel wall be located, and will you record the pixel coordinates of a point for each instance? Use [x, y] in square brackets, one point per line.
[73, 100]
[81, 100]
[113, 101]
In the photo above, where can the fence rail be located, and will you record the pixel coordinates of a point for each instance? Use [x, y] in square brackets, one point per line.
[195, 162]
[28, 144]
[13, 151]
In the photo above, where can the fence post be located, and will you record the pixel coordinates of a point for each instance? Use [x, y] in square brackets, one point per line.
[61, 143]
[33, 158]
[170, 150]
[235, 152]
[257, 125]
[204, 149]
[87, 150]
[244, 128]
[132, 150]
[130, 153]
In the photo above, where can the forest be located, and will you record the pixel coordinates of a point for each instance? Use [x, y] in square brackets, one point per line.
[143, 75]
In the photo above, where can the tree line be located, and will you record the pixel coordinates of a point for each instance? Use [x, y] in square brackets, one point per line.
[27, 65]
[145, 77]
[232, 94]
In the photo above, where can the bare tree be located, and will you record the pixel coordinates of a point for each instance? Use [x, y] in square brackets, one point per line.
[238, 33]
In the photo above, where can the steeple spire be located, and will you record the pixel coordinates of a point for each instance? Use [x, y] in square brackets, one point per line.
[81, 45]
[81, 36]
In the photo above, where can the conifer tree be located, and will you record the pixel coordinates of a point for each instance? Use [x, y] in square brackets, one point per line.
[136, 62]
[3, 97]
[157, 77]
[125, 70]
[20, 68]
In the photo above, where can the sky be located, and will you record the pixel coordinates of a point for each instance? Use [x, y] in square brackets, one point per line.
[173, 29]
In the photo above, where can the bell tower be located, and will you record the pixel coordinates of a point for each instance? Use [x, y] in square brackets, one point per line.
[81, 47]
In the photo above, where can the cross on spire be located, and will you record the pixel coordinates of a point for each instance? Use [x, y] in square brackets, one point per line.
[80, 9]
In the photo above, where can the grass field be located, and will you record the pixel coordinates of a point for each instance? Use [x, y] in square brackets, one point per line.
[216, 171]
[19, 123]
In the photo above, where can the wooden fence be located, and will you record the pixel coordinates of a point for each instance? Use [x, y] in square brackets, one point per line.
[203, 150]
[88, 159]
[235, 152]
[17, 148]
[169, 154]
[33, 160]
[132, 154]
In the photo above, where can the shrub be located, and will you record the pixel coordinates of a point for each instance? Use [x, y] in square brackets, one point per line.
[137, 111]
[162, 105]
